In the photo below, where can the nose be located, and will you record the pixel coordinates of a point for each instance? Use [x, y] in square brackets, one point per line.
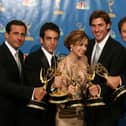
[84, 48]
[96, 28]
[20, 36]
[53, 41]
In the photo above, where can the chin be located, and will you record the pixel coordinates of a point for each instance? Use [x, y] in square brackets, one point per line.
[125, 40]
[79, 56]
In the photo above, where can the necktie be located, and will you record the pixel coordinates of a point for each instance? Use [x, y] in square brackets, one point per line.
[53, 61]
[96, 55]
[18, 61]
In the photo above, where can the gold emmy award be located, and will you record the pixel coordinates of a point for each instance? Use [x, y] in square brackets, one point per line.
[70, 100]
[80, 26]
[101, 70]
[29, 37]
[120, 91]
[75, 80]
[75, 100]
[57, 96]
[110, 4]
[93, 100]
[45, 77]
[57, 6]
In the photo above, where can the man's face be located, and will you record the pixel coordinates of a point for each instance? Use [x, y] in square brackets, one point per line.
[50, 40]
[99, 29]
[16, 36]
[123, 32]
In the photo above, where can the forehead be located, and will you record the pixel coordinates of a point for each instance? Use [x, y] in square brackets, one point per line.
[50, 33]
[17, 28]
[83, 41]
[98, 21]
[124, 25]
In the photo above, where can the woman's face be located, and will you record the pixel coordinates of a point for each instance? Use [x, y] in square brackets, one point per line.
[79, 48]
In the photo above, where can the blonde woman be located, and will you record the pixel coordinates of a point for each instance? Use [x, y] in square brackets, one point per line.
[72, 79]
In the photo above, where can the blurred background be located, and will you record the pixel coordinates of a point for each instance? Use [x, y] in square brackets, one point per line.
[67, 14]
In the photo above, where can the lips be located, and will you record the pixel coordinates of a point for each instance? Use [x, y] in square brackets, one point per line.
[97, 34]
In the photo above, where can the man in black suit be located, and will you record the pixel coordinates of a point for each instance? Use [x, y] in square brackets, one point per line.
[111, 56]
[115, 80]
[41, 58]
[13, 92]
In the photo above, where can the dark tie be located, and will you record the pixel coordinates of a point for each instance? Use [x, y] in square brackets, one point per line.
[53, 61]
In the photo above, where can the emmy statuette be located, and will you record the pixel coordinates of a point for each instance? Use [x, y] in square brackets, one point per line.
[76, 98]
[119, 92]
[45, 78]
[57, 96]
[93, 100]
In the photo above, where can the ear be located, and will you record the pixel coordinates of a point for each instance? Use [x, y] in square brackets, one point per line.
[41, 40]
[6, 35]
[71, 46]
[108, 26]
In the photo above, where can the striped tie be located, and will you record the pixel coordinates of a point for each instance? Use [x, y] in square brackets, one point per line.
[18, 62]
[96, 55]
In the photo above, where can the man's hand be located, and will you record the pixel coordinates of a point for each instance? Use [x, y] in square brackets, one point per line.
[39, 93]
[94, 90]
[113, 81]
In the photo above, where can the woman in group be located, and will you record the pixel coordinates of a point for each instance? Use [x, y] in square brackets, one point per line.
[71, 79]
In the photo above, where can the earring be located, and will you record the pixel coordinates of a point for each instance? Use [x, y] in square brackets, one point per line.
[70, 49]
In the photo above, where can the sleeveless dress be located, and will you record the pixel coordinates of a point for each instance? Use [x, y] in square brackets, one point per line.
[71, 74]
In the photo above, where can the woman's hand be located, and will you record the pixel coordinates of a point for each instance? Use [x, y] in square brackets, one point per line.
[94, 90]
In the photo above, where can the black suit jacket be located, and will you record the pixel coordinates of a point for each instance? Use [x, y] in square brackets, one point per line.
[123, 77]
[33, 64]
[13, 93]
[113, 59]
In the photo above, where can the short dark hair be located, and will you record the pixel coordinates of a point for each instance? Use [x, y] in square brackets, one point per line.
[121, 22]
[49, 26]
[15, 22]
[100, 14]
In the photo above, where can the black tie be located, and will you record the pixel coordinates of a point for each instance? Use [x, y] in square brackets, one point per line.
[53, 61]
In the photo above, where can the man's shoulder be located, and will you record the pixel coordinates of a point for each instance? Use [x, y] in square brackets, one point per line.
[3, 49]
[114, 43]
[34, 56]
[35, 53]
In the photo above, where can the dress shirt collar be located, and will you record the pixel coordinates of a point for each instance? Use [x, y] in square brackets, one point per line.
[12, 50]
[103, 42]
[101, 46]
[48, 55]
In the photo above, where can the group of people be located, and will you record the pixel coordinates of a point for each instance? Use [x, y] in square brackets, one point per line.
[21, 81]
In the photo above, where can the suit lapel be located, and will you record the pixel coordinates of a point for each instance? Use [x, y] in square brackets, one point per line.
[11, 60]
[43, 60]
[105, 51]
[90, 49]
[9, 55]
